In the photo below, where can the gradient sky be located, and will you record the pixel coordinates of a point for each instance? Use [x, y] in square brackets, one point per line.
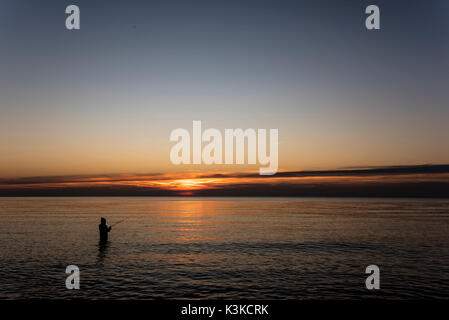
[104, 99]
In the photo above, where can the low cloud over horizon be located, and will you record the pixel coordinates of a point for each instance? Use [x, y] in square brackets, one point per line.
[391, 181]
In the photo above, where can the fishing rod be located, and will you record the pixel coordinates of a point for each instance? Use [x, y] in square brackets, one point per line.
[118, 222]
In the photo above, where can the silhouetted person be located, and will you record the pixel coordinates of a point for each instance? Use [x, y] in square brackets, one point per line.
[104, 230]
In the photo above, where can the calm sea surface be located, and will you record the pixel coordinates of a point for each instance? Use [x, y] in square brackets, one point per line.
[224, 248]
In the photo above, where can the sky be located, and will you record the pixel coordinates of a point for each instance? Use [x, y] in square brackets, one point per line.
[104, 99]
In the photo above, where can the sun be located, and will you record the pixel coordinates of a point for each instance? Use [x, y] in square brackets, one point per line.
[189, 184]
[192, 184]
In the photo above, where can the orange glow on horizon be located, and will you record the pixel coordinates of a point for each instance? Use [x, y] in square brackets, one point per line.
[188, 183]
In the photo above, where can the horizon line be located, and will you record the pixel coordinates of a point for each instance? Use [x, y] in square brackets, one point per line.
[389, 181]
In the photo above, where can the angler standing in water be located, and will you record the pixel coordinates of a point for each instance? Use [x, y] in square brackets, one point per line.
[104, 230]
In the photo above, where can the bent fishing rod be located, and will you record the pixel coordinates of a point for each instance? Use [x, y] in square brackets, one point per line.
[118, 222]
